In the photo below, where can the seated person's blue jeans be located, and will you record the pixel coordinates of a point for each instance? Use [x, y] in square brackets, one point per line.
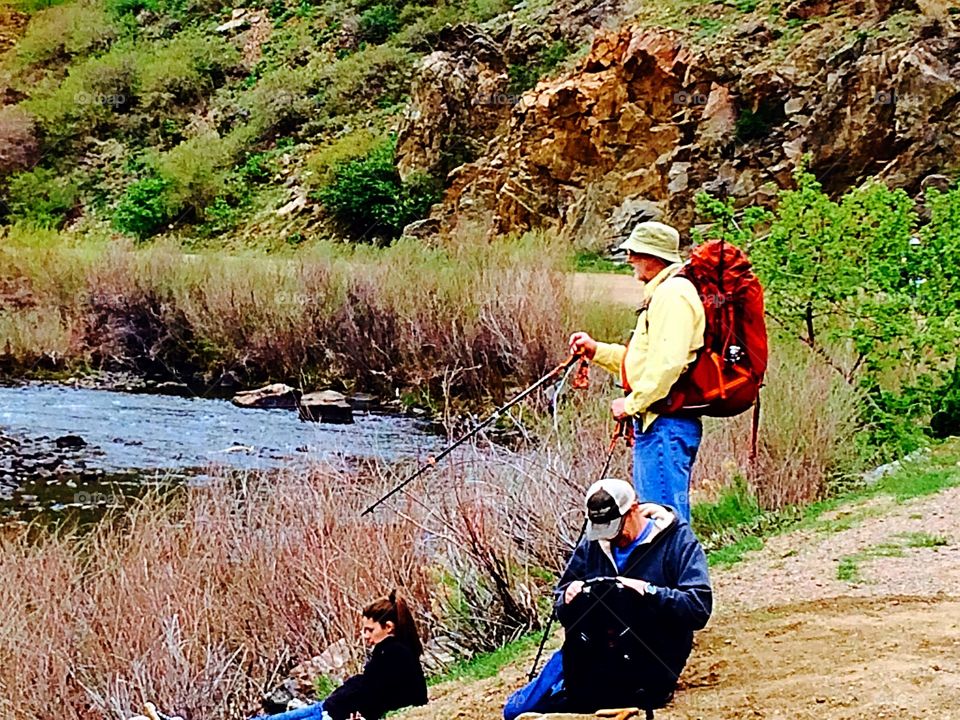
[663, 459]
[541, 694]
[310, 712]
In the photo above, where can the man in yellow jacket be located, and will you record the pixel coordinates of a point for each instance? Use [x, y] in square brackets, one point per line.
[668, 335]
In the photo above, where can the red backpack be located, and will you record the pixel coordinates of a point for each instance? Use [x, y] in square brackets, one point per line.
[726, 376]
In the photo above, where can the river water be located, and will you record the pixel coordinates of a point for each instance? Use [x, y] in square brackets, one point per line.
[166, 436]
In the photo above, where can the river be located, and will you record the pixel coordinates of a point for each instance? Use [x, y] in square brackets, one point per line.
[133, 439]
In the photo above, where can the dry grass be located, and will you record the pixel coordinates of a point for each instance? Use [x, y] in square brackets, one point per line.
[203, 600]
[808, 419]
[463, 320]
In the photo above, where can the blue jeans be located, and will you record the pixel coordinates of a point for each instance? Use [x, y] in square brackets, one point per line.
[310, 712]
[542, 694]
[663, 460]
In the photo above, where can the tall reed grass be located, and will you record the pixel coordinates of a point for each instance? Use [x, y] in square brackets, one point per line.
[464, 320]
[808, 419]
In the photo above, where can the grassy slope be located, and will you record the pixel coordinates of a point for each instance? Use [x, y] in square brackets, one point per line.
[229, 127]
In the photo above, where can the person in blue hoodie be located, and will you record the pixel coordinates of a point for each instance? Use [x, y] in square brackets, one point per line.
[630, 599]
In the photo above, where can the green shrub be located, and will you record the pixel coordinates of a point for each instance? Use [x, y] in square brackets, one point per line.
[93, 96]
[29, 6]
[756, 124]
[423, 22]
[120, 8]
[368, 196]
[184, 9]
[40, 197]
[323, 162]
[185, 68]
[863, 286]
[524, 76]
[144, 208]
[281, 97]
[65, 31]
[379, 23]
[198, 169]
[481, 10]
[378, 76]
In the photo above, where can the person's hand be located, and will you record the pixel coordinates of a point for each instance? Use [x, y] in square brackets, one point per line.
[573, 589]
[582, 344]
[619, 409]
[639, 586]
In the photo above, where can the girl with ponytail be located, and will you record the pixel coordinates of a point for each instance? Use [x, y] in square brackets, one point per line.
[392, 678]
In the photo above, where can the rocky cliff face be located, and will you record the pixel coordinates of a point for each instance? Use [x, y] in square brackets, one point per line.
[649, 118]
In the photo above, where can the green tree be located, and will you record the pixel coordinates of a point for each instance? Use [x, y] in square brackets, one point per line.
[858, 281]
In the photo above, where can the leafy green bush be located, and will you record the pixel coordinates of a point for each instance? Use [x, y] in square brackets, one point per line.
[756, 124]
[144, 208]
[524, 76]
[377, 76]
[120, 8]
[197, 171]
[93, 96]
[29, 6]
[323, 162]
[65, 31]
[184, 68]
[368, 196]
[188, 9]
[378, 23]
[281, 97]
[40, 197]
[862, 285]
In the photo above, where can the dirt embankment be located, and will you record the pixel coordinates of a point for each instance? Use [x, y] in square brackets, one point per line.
[854, 618]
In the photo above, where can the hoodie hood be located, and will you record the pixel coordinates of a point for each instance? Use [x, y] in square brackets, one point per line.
[662, 517]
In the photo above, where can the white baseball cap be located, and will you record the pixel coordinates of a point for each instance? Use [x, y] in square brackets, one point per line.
[608, 500]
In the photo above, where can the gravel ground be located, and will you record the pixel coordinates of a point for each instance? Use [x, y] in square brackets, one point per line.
[802, 565]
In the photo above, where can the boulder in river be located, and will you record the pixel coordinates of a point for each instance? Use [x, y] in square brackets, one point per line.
[326, 406]
[173, 388]
[72, 442]
[268, 397]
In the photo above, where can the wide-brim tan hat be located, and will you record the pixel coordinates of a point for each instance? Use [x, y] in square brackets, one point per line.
[654, 238]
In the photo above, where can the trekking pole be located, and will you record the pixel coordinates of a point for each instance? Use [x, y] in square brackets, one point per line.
[621, 432]
[556, 372]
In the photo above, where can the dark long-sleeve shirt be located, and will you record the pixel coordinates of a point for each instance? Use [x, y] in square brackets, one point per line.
[391, 679]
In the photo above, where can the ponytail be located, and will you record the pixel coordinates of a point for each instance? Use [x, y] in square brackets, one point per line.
[394, 609]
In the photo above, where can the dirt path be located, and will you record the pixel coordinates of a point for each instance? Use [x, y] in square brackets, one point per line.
[792, 640]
